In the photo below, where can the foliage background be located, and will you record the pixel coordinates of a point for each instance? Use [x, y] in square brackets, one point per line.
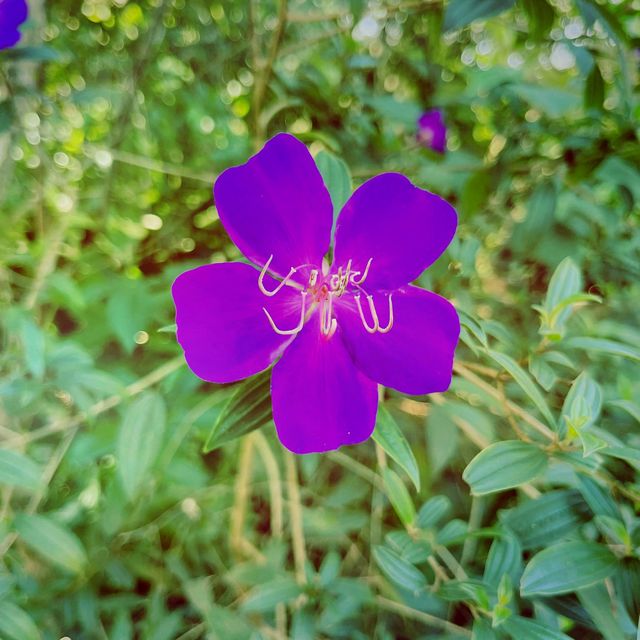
[115, 117]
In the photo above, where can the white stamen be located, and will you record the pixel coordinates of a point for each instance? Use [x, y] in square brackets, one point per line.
[289, 332]
[328, 325]
[374, 316]
[313, 277]
[263, 273]
[390, 323]
[364, 275]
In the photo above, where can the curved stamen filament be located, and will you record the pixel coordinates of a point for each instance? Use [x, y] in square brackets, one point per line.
[364, 275]
[374, 316]
[390, 323]
[263, 273]
[289, 332]
[328, 325]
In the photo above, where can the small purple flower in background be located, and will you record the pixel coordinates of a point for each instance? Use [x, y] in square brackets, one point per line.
[12, 14]
[336, 331]
[432, 132]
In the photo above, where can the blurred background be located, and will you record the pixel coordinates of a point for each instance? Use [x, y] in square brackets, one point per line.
[137, 501]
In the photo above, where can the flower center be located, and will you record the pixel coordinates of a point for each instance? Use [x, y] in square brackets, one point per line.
[322, 291]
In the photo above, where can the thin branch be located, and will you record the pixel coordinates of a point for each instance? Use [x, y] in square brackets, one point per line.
[295, 514]
[420, 616]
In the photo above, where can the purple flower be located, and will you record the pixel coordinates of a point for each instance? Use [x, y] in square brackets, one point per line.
[12, 14]
[335, 331]
[432, 132]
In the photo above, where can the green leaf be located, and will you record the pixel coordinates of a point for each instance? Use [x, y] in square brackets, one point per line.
[599, 500]
[337, 179]
[540, 214]
[504, 465]
[541, 16]
[51, 540]
[129, 310]
[552, 101]
[17, 470]
[599, 606]
[583, 403]
[627, 454]
[595, 12]
[520, 628]
[398, 570]
[505, 558]
[526, 384]
[605, 346]
[565, 282]
[567, 567]
[266, 596]
[482, 630]
[16, 624]
[552, 516]
[594, 89]
[139, 440]
[433, 511]
[249, 408]
[399, 496]
[632, 408]
[34, 346]
[460, 13]
[389, 436]
[443, 440]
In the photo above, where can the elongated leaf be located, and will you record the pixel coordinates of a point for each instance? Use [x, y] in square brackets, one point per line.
[610, 347]
[398, 570]
[337, 179]
[17, 470]
[550, 517]
[599, 500]
[632, 408]
[582, 405]
[482, 630]
[525, 382]
[632, 456]
[266, 596]
[433, 511]
[598, 604]
[16, 624]
[520, 628]
[540, 214]
[34, 346]
[567, 567]
[139, 440]
[504, 465]
[388, 435]
[505, 557]
[463, 12]
[249, 408]
[54, 542]
[399, 496]
[565, 282]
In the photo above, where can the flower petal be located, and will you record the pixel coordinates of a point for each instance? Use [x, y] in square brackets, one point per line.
[402, 228]
[222, 328]
[320, 400]
[416, 355]
[277, 204]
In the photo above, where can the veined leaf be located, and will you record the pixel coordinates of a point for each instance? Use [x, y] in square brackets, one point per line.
[433, 511]
[337, 179]
[525, 383]
[17, 470]
[54, 542]
[460, 13]
[249, 408]
[520, 628]
[399, 496]
[139, 440]
[504, 465]
[567, 567]
[389, 436]
[605, 346]
[16, 624]
[398, 570]
[266, 596]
